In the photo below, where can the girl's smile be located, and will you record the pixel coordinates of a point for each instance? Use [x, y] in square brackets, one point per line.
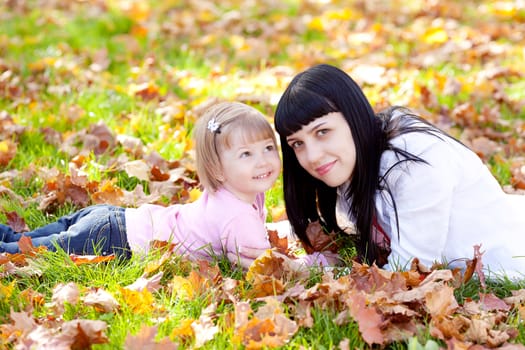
[249, 167]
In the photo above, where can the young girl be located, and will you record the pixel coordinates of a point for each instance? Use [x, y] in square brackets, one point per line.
[410, 190]
[237, 161]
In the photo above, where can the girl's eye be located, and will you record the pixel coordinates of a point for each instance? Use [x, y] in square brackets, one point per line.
[270, 147]
[245, 154]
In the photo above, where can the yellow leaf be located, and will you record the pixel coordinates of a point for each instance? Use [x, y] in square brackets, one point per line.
[504, 9]
[435, 36]
[7, 291]
[344, 14]
[184, 330]
[316, 24]
[140, 302]
[4, 146]
[136, 10]
[182, 287]
[195, 194]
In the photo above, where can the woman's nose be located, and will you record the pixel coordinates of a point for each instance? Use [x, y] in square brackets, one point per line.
[313, 154]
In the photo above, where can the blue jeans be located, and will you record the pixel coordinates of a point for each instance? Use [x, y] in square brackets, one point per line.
[95, 230]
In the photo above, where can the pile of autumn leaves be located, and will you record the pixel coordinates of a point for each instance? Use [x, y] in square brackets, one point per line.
[387, 306]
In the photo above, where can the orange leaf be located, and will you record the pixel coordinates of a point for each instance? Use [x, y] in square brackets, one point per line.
[277, 242]
[90, 259]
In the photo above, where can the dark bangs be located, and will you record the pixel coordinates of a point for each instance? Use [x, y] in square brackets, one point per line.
[298, 107]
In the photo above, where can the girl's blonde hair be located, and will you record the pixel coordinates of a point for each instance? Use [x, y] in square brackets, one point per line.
[213, 132]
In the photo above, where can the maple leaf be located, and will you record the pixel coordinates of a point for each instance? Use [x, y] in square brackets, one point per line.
[101, 300]
[319, 240]
[145, 340]
[81, 334]
[64, 293]
[479, 265]
[184, 331]
[158, 175]
[152, 283]
[23, 321]
[367, 318]
[204, 329]
[268, 328]
[16, 222]
[441, 302]
[7, 151]
[25, 244]
[281, 244]
[139, 302]
[33, 297]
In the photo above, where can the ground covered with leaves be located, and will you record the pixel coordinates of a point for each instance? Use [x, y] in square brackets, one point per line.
[97, 103]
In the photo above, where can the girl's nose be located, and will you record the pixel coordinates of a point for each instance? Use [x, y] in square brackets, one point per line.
[262, 160]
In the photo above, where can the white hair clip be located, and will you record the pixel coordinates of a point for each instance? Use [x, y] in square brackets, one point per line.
[214, 126]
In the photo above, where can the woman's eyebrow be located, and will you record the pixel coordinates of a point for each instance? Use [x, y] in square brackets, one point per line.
[316, 126]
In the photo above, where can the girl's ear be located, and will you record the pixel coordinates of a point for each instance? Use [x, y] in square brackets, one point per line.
[219, 176]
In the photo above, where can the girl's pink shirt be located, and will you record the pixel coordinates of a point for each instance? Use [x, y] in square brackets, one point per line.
[216, 223]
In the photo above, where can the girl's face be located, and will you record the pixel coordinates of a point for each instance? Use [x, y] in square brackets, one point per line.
[325, 149]
[249, 168]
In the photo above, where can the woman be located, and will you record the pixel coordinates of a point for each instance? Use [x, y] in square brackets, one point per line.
[410, 190]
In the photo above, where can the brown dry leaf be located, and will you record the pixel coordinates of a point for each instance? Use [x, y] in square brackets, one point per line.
[281, 244]
[490, 302]
[319, 239]
[441, 302]
[23, 322]
[82, 334]
[267, 265]
[367, 318]
[7, 151]
[479, 265]
[137, 168]
[64, 293]
[152, 283]
[204, 328]
[158, 175]
[108, 193]
[25, 244]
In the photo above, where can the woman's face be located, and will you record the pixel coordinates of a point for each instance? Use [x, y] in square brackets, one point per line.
[325, 149]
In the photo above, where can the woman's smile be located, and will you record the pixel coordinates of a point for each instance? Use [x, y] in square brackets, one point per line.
[325, 149]
[325, 168]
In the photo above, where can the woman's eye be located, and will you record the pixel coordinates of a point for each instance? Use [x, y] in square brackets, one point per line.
[296, 144]
[322, 132]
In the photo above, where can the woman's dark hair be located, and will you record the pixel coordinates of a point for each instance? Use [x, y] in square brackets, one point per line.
[320, 90]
